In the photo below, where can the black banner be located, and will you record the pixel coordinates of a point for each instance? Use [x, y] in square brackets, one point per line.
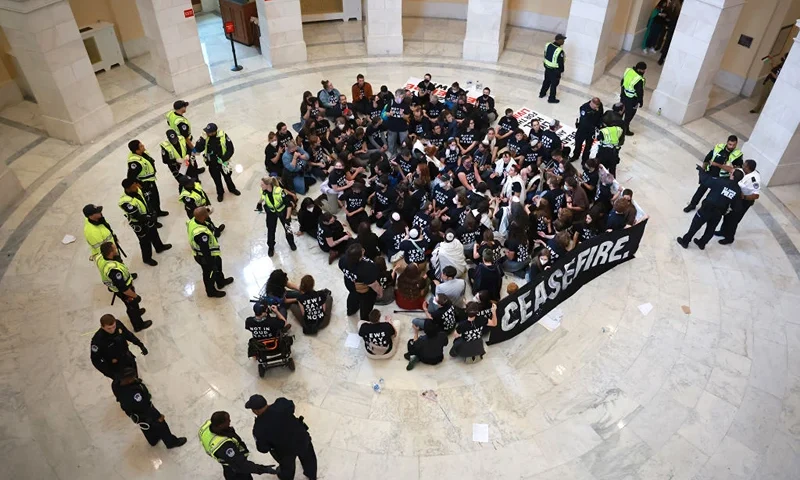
[547, 290]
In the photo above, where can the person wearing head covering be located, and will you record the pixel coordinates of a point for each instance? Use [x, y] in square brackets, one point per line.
[553, 67]
[217, 149]
[96, 230]
[142, 220]
[178, 157]
[142, 168]
[221, 442]
[632, 93]
[206, 252]
[449, 252]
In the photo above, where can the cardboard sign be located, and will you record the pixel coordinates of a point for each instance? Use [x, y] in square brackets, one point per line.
[188, 13]
[228, 27]
[440, 89]
[565, 132]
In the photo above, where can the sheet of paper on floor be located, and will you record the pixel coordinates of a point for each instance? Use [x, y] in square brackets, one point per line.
[353, 341]
[480, 432]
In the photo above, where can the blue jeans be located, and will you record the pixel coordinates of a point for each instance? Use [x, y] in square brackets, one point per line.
[515, 267]
[419, 322]
[393, 138]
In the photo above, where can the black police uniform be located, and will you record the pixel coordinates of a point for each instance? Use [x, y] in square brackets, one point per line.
[631, 104]
[131, 305]
[110, 353]
[211, 265]
[552, 76]
[149, 189]
[135, 401]
[145, 227]
[272, 218]
[278, 432]
[722, 192]
[364, 272]
[215, 159]
[235, 465]
[713, 162]
[174, 164]
[589, 121]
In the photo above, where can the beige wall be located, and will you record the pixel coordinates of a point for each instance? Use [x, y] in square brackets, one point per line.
[122, 13]
[553, 8]
[752, 22]
[5, 58]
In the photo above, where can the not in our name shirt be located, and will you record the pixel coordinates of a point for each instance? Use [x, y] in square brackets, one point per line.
[353, 201]
[395, 122]
[262, 328]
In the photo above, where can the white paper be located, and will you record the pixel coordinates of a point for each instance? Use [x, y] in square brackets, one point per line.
[184, 168]
[550, 323]
[480, 432]
[67, 239]
[353, 341]
[646, 308]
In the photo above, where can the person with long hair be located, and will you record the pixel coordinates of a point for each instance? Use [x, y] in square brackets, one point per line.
[277, 204]
[517, 256]
[308, 216]
[411, 288]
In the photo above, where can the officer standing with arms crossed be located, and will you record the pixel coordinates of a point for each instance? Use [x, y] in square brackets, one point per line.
[142, 168]
[590, 119]
[277, 204]
[118, 279]
[223, 444]
[142, 221]
[611, 139]
[632, 92]
[96, 230]
[721, 154]
[110, 353]
[751, 189]
[205, 249]
[134, 399]
[553, 68]
[193, 196]
[218, 150]
[278, 432]
[723, 191]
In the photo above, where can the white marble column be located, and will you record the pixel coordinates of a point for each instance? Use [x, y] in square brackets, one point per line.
[10, 94]
[174, 44]
[10, 188]
[775, 142]
[589, 30]
[486, 30]
[698, 45]
[384, 29]
[45, 40]
[281, 27]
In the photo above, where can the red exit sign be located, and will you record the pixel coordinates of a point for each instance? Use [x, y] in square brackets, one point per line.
[188, 13]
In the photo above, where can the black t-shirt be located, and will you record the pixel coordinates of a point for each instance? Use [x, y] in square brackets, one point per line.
[488, 278]
[413, 250]
[337, 178]
[451, 157]
[516, 146]
[376, 134]
[420, 127]
[507, 124]
[442, 197]
[434, 111]
[430, 350]
[467, 138]
[377, 334]
[557, 199]
[397, 123]
[590, 177]
[353, 201]
[445, 318]
[463, 111]
[421, 221]
[473, 330]
[452, 95]
[550, 140]
[467, 236]
[407, 166]
[269, 154]
[384, 200]
[333, 231]
[284, 138]
[486, 104]
[426, 87]
[519, 248]
[267, 327]
[468, 172]
[323, 126]
[365, 271]
[312, 303]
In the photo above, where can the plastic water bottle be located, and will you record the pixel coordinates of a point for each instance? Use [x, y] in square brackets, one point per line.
[659, 112]
[378, 386]
[478, 85]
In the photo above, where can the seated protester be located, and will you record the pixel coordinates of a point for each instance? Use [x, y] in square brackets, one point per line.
[467, 139]
[376, 135]
[494, 174]
[313, 307]
[506, 127]
[490, 142]
[484, 300]
[483, 157]
[555, 195]
[517, 256]
[451, 287]
[452, 94]
[472, 330]
[348, 112]
[331, 236]
[337, 181]
[422, 219]
[358, 147]
[419, 124]
[550, 140]
[480, 199]
[516, 144]
[406, 162]
[272, 156]
[369, 241]
[394, 234]
[513, 185]
[425, 88]
[444, 314]
[621, 216]
[404, 205]
[324, 132]
[559, 245]
[577, 201]
[376, 109]
[329, 99]
[486, 276]
[487, 243]
[451, 156]
[386, 279]
[414, 250]
[385, 95]
[469, 233]
[308, 217]
[449, 124]
[467, 174]
[442, 195]
[604, 195]
[463, 111]
[379, 336]
[382, 202]
[320, 160]
[486, 107]
[428, 348]
[434, 109]
[310, 128]
[280, 291]
[419, 192]
[411, 288]
[457, 213]
[536, 131]
[542, 220]
[541, 262]
[284, 135]
[433, 234]
[531, 158]
[267, 323]
[449, 252]
[586, 230]
[436, 139]
[354, 202]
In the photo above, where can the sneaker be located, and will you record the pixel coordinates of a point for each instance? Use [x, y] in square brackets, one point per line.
[144, 326]
[271, 251]
[682, 243]
[166, 247]
[700, 245]
[162, 213]
[216, 294]
[236, 192]
[412, 363]
[725, 241]
[688, 208]
[179, 443]
[407, 356]
[150, 262]
[225, 282]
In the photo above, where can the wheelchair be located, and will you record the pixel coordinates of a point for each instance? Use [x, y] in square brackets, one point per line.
[272, 352]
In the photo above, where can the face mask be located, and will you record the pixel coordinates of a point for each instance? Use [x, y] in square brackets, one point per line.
[310, 209]
[453, 147]
[543, 260]
[455, 201]
[340, 125]
[274, 143]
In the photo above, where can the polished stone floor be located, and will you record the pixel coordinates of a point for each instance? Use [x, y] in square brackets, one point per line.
[611, 394]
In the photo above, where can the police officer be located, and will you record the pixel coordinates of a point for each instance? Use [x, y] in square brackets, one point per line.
[96, 230]
[217, 149]
[590, 119]
[611, 139]
[193, 196]
[110, 353]
[175, 153]
[278, 432]
[277, 204]
[178, 123]
[721, 154]
[723, 191]
[142, 220]
[142, 168]
[134, 399]
[118, 279]
[205, 249]
[553, 67]
[751, 188]
[223, 444]
[632, 92]
[361, 279]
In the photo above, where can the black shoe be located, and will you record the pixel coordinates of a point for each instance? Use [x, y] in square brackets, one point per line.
[271, 251]
[162, 213]
[219, 198]
[159, 224]
[181, 442]
[236, 192]
[660, 62]
[726, 241]
[412, 363]
[572, 159]
[220, 229]
[144, 326]
[216, 294]
[719, 233]
[542, 95]
[753, 111]
[700, 245]
[553, 100]
[134, 275]
[688, 208]
[166, 247]
[407, 356]
[150, 262]
[682, 243]
[201, 170]
[629, 133]
[293, 246]
[225, 282]
[142, 311]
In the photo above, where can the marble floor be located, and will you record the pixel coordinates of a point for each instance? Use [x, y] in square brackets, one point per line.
[610, 394]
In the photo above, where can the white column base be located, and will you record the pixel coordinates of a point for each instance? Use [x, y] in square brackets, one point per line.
[384, 44]
[583, 72]
[10, 188]
[82, 130]
[482, 51]
[676, 109]
[10, 94]
[284, 54]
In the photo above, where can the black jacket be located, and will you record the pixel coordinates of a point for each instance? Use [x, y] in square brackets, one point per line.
[278, 432]
[108, 347]
[589, 119]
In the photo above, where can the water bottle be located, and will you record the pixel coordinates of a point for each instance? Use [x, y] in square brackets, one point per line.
[377, 387]
[478, 85]
[659, 112]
